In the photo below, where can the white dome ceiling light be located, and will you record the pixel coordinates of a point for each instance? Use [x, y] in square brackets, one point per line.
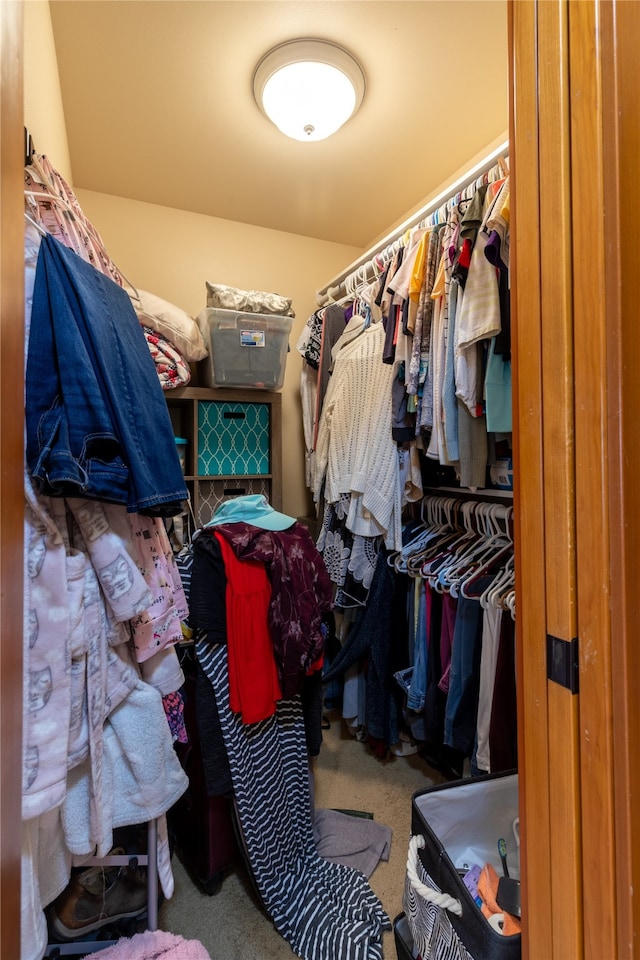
[308, 88]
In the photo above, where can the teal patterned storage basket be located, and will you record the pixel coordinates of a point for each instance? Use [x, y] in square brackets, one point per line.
[233, 439]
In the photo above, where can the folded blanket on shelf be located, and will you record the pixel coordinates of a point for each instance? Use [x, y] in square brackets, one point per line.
[171, 367]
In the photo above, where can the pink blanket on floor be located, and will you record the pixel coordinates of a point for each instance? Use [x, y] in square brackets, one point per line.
[155, 945]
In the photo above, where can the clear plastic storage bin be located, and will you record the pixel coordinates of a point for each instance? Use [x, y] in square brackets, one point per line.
[246, 350]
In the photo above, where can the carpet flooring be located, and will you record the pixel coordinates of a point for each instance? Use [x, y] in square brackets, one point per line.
[232, 924]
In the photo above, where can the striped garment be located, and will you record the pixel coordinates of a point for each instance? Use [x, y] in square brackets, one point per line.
[325, 911]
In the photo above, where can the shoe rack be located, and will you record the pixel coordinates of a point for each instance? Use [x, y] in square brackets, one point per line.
[82, 947]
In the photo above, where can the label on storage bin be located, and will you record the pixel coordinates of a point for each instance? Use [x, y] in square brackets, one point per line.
[253, 338]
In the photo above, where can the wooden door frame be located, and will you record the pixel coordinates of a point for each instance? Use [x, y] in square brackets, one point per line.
[575, 146]
[11, 468]
[619, 28]
[533, 752]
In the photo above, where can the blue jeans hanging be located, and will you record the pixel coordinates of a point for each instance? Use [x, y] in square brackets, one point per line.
[97, 422]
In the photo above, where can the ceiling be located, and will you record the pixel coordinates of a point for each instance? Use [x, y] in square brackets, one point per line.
[159, 106]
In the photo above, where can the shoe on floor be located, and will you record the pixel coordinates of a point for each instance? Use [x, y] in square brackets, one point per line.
[404, 748]
[97, 896]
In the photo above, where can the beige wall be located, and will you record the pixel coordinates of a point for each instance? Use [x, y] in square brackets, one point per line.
[172, 253]
[43, 109]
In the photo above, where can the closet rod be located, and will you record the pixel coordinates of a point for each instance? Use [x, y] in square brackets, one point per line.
[335, 287]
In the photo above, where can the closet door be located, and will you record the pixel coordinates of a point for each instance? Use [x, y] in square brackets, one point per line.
[545, 494]
[608, 468]
[575, 100]
[11, 456]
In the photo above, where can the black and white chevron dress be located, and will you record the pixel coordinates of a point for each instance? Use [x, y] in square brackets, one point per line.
[325, 911]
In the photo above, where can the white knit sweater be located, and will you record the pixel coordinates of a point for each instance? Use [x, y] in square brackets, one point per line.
[355, 452]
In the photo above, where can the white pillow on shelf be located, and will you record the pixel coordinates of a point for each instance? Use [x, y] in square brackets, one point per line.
[170, 321]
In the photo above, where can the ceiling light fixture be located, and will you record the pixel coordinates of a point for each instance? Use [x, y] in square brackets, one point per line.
[308, 88]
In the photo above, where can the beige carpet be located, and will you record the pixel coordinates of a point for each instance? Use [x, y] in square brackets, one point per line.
[231, 924]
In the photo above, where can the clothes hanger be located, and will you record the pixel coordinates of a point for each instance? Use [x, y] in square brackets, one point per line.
[447, 527]
[52, 197]
[425, 529]
[411, 531]
[401, 558]
[499, 564]
[493, 567]
[35, 224]
[443, 532]
[442, 558]
[56, 199]
[501, 586]
[490, 539]
[436, 554]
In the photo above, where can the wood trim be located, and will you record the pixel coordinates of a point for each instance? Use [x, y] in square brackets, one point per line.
[277, 492]
[556, 318]
[559, 466]
[592, 315]
[533, 758]
[11, 473]
[577, 106]
[619, 26]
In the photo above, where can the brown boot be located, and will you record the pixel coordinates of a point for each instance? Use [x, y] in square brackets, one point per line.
[97, 896]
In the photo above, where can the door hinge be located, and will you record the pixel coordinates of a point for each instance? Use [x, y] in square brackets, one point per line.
[563, 665]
